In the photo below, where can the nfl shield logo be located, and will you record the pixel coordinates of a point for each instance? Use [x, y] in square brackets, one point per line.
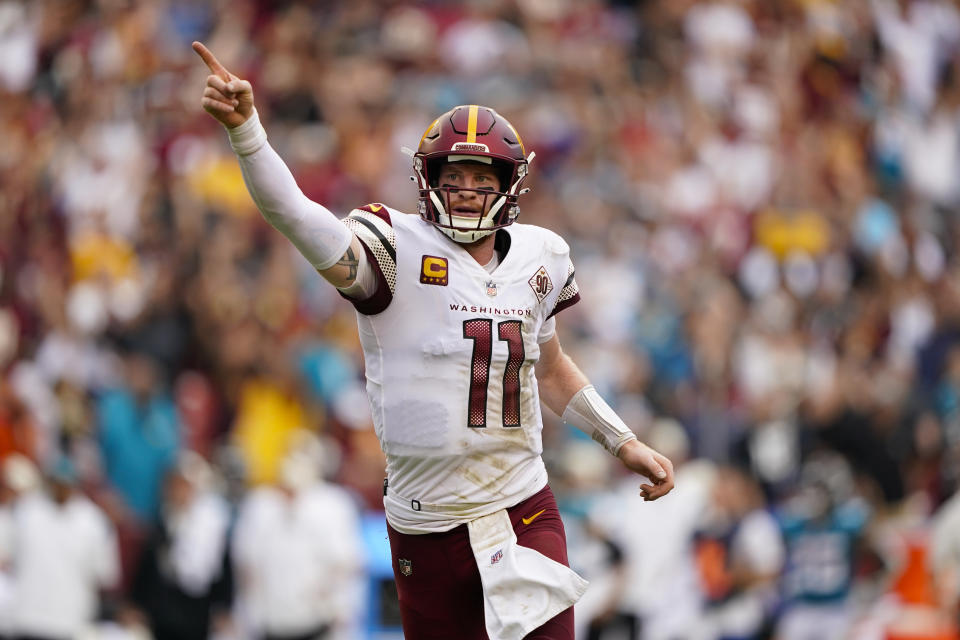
[406, 567]
[491, 288]
[497, 557]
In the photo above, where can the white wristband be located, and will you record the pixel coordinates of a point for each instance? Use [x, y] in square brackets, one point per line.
[248, 137]
[588, 412]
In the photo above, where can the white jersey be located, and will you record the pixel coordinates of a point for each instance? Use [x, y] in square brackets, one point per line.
[450, 352]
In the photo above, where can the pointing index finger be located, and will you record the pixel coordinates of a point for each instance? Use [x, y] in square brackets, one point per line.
[211, 61]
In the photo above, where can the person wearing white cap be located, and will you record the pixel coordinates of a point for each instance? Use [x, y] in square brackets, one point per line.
[64, 553]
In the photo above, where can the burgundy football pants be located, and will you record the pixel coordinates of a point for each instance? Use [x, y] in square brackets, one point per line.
[442, 598]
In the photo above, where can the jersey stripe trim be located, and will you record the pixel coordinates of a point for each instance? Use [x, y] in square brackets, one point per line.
[569, 293]
[378, 234]
[563, 304]
[379, 210]
[373, 228]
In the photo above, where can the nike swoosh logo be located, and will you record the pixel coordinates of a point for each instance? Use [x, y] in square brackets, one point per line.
[533, 517]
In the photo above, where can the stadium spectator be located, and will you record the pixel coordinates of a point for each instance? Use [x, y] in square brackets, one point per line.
[741, 554]
[65, 554]
[823, 528]
[182, 581]
[18, 476]
[297, 554]
[139, 435]
[661, 586]
[944, 557]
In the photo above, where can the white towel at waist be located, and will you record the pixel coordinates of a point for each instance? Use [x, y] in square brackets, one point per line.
[522, 588]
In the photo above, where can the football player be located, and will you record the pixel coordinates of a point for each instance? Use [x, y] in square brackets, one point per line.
[455, 308]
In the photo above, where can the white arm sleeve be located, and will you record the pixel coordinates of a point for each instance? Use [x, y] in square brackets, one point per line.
[311, 227]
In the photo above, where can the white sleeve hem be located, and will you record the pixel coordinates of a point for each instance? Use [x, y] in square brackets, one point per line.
[248, 137]
[365, 284]
[335, 256]
[547, 330]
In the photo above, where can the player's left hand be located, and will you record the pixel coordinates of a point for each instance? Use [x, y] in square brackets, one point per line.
[656, 467]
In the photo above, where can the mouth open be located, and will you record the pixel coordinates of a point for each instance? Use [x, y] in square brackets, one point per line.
[466, 212]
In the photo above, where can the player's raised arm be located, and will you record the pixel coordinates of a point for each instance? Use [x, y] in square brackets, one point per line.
[329, 246]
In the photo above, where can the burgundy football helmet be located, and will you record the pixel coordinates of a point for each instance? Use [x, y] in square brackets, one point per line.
[470, 133]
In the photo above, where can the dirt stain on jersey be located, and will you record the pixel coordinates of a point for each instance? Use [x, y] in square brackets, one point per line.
[509, 435]
[485, 483]
[496, 463]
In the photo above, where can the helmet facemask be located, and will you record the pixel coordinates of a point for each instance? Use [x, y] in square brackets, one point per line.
[499, 207]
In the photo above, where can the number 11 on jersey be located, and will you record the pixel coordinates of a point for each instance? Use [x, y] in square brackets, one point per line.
[480, 330]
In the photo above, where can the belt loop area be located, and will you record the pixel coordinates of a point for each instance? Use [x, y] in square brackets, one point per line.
[415, 505]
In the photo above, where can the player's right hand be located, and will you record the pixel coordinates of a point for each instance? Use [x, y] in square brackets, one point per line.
[226, 97]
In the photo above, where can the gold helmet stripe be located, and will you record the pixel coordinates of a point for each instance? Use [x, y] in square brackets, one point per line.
[429, 129]
[472, 123]
[522, 150]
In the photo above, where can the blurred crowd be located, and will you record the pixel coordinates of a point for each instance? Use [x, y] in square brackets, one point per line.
[763, 204]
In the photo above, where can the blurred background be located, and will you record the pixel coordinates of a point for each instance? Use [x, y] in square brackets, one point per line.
[763, 203]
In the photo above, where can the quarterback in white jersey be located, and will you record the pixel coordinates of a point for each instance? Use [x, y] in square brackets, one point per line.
[455, 308]
[450, 351]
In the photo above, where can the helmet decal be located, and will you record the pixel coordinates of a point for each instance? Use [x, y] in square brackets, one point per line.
[470, 146]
